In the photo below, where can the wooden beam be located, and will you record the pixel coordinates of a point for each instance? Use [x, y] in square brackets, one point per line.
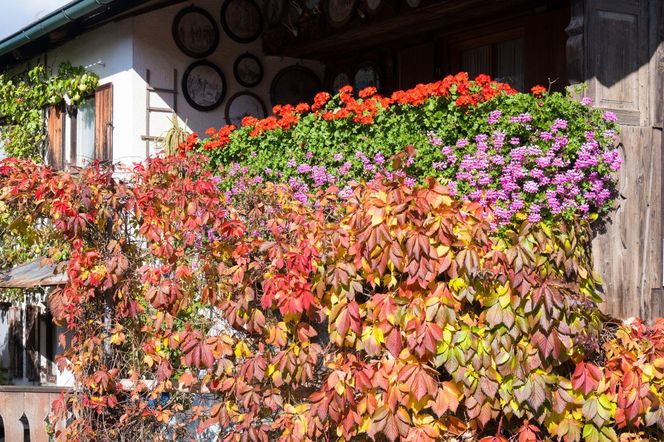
[435, 16]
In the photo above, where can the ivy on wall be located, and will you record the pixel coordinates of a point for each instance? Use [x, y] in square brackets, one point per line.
[23, 126]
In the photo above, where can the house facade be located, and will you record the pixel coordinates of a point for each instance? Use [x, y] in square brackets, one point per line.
[210, 62]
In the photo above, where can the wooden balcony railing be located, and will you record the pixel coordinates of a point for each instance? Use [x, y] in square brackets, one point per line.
[24, 410]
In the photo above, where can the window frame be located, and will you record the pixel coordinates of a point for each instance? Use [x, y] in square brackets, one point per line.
[62, 142]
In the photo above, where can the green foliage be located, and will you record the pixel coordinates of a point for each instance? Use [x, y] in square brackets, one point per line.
[23, 130]
[174, 136]
[539, 155]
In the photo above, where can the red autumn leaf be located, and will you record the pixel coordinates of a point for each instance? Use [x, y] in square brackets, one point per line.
[393, 341]
[195, 352]
[494, 439]
[418, 380]
[348, 318]
[391, 425]
[528, 433]
[586, 377]
[186, 379]
[447, 399]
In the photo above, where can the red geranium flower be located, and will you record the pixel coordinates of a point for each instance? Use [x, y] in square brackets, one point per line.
[320, 100]
[301, 108]
[538, 90]
[249, 121]
[367, 92]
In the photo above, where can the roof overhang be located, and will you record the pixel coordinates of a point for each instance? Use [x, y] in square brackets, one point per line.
[65, 23]
[33, 275]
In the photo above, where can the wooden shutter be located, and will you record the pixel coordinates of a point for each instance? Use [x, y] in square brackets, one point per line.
[16, 342]
[617, 57]
[55, 137]
[51, 344]
[31, 343]
[104, 123]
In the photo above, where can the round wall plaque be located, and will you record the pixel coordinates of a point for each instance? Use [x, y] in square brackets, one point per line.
[195, 32]
[293, 85]
[244, 104]
[248, 70]
[203, 85]
[242, 20]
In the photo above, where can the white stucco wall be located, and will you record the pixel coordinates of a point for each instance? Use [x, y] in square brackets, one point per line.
[122, 52]
[108, 53]
[4, 340]
[155, 49]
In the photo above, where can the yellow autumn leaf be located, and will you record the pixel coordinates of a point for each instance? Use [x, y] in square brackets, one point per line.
[117, 338]
[241, 349]
[365, 424]
[505, 300]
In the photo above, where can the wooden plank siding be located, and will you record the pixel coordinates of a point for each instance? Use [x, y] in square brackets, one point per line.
[628, 255]
[617, 43]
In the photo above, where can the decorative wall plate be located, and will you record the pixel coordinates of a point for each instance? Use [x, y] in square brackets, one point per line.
[339, 12]
[242, 20]
[248, 70]
[195, 32]
[203, 85]
[341, 79]
[293, 85]
[243, 104]
[367, 75]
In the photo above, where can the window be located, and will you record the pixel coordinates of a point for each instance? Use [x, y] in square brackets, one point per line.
[30, 338]
[84, 135]
[502, 60]
[500, 53]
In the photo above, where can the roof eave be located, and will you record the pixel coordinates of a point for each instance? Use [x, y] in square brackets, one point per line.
[51, 22]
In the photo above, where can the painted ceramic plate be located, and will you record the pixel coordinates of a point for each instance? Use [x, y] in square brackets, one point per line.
[367, 75]
[203, 85]
[339, 12]
[242, 105]
[248, 70]
[293, 85]
[340, 80]
[242, 20]
[195, 32]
